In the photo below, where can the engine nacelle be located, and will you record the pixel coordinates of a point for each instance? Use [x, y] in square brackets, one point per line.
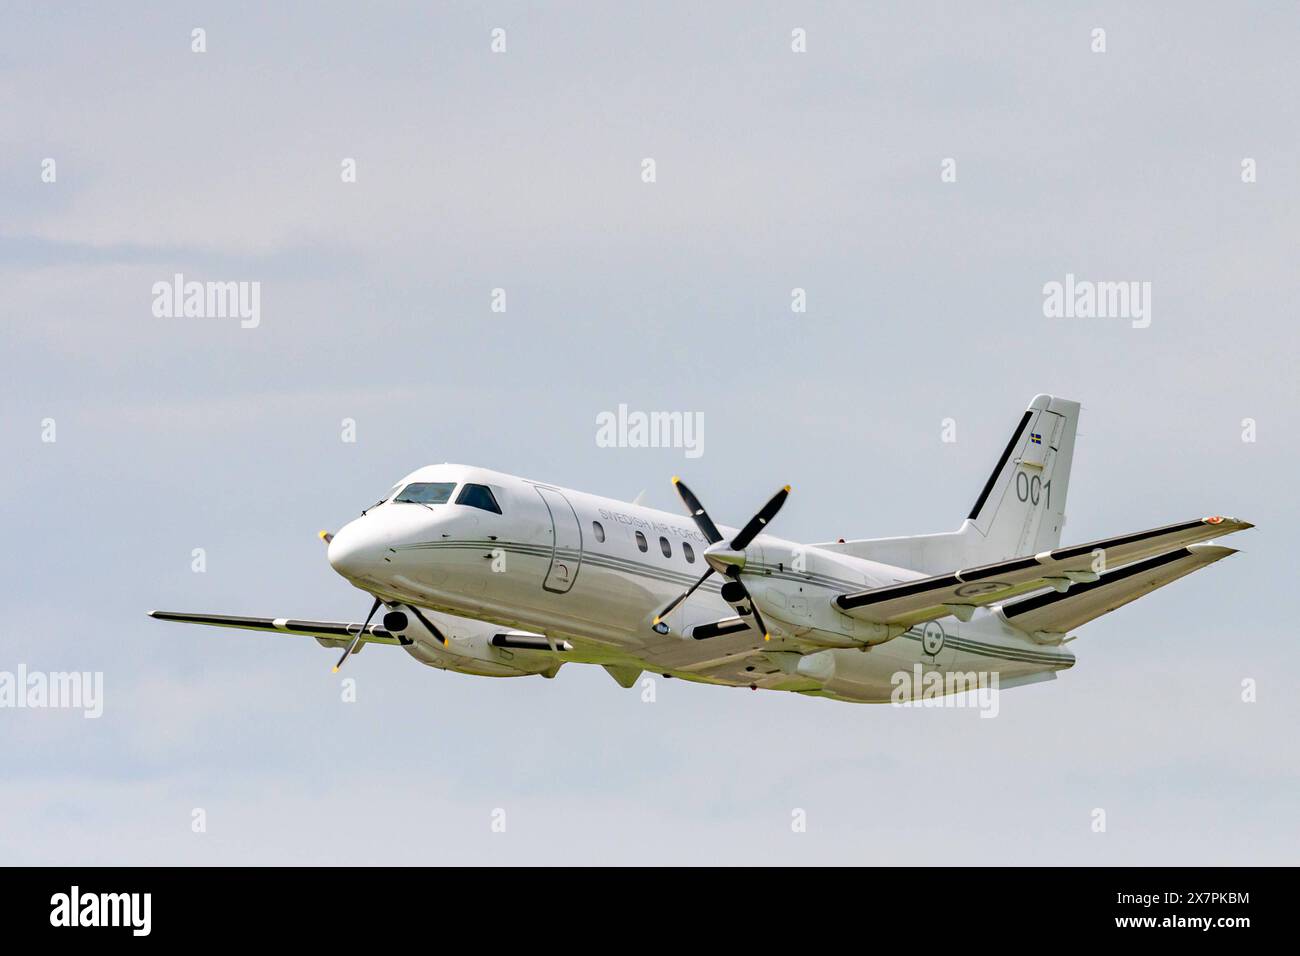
[472, 647]
[807, 609]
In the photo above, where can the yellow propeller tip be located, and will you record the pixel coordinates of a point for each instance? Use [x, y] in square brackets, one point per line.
[676, 480]
[787, 487]
[767, 637]
[655, 621]
[335, 670]
[321, 533]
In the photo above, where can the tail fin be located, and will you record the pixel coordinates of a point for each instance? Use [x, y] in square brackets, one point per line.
[1021, 509]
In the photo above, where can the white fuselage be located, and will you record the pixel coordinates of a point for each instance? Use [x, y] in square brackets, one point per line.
[595, 571]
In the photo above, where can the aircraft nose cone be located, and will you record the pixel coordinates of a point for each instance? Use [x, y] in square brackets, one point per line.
[353, 551]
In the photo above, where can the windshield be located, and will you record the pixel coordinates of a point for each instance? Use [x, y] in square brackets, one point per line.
[427, 492]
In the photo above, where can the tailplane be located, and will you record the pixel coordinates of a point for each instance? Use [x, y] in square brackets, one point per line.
[1049, 615]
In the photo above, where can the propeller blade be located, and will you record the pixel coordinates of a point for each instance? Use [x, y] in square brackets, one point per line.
[361, 633]
[756, 523]
[325, 536]
[702, 519]
[682, 597]
[737, 595]
[758, 618]
[433, 628]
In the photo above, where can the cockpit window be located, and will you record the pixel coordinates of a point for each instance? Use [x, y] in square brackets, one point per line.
[479, 496]
[427, 492]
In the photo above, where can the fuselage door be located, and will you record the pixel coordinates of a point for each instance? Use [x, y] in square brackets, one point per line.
[566, 542]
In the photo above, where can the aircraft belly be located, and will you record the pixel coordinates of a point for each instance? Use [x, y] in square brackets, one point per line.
[675, 652]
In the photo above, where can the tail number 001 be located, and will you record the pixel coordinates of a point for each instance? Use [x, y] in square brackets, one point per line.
[1033, 489]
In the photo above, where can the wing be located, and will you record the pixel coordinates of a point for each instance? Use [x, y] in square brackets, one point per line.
[1052, 614]
[328, 633]
[960, 592]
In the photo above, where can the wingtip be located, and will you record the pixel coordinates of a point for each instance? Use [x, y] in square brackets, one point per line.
[1236, 523]
[1212, 552]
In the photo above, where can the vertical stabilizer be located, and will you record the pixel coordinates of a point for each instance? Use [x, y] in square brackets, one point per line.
[1021, 508]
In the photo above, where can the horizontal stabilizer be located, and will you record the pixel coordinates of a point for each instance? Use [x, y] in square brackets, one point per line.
[1052, 613]
[960, 592]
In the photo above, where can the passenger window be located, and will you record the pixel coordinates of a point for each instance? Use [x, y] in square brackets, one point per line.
[598, 531]
[665, 547]
[427, 492]
[641, 542]
[479, 496]
[689, 552]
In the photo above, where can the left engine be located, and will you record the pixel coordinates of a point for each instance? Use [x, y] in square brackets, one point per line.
[473, 647]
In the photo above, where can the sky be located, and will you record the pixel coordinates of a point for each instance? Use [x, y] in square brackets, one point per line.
[921, 171]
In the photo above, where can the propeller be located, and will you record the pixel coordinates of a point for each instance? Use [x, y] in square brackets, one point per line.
[726, 558]
[360, 634]
[327, 537]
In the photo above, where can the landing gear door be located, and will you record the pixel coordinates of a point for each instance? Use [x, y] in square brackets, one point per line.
[566, 542]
